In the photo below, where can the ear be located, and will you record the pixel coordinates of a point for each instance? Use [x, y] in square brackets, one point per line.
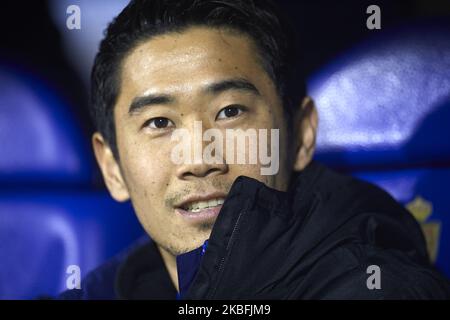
[110, 168]
[306, 133]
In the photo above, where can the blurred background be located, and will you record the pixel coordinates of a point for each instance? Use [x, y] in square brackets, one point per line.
[384, 106]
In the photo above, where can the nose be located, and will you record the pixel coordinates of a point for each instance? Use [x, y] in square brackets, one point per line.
[200, 166]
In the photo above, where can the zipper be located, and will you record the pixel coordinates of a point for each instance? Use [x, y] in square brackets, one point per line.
[222, 261]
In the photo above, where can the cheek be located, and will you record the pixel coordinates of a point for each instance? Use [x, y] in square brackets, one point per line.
[270, 119]
[148, 169]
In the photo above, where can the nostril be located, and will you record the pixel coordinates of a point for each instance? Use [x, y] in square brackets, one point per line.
[211, 171]
[198, 173]
[201, 170]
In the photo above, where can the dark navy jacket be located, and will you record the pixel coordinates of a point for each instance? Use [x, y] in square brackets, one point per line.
[316, 241]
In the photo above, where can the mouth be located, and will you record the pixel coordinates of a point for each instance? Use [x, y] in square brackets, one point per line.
[201, 208]
[197, 206]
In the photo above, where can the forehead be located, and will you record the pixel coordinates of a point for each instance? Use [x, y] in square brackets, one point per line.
[188, 60]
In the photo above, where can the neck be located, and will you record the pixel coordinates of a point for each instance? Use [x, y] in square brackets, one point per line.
[171, 265]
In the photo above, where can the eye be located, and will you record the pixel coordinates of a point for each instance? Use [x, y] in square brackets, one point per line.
[230, 111]
[159, 123]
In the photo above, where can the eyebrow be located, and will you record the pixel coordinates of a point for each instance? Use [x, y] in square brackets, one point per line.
[239, 84]
[139, 103]
[232, 84]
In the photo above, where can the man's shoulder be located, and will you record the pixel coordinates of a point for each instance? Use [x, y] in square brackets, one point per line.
[361, 226]
[100, 283]
[345, 189]
[347, 203]
[359, 271]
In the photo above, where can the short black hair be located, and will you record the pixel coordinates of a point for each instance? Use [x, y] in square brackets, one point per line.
[262, 20]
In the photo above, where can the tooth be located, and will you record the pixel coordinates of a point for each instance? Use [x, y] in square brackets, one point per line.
[193, 206]
[212, 203]
[203, 204]
[220, 201]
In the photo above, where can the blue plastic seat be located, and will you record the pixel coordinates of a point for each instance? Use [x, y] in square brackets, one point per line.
[51, 217]
[384, 115]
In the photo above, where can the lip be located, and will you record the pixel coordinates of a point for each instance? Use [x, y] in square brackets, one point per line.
[200, 216]
[200, 197]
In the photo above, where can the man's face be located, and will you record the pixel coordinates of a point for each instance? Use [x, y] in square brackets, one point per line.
[174, 80]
